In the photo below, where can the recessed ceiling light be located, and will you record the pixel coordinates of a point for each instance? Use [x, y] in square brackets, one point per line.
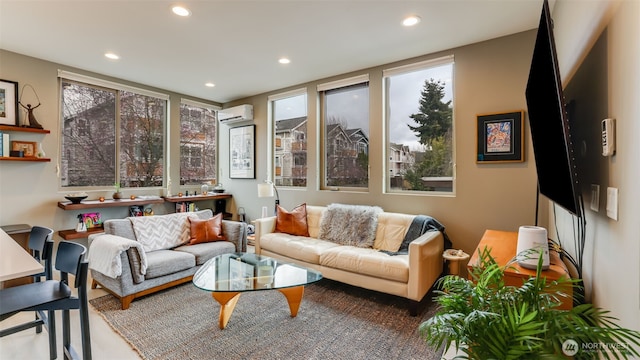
[112, 56]
[180, 10]
[284, 60]
[411, 20]
[209, 84]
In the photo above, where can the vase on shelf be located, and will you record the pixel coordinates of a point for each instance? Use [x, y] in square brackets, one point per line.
[117, 195]
[204, 189]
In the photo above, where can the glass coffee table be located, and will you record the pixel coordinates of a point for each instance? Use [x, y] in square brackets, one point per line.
[229, 275]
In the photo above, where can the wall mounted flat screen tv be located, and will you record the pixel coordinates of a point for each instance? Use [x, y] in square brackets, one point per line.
[549, 123]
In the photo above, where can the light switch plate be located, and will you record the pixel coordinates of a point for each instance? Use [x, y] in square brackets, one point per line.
[612, 203]
[595, 197]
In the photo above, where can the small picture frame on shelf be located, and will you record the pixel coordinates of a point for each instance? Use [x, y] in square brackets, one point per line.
[92, 220]
[29, 148]
[8, 103]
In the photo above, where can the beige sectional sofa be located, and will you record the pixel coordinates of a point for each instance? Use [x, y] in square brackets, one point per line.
[377, 267]
[129, 267]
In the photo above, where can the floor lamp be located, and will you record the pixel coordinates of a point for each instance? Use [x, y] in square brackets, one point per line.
[268, 189]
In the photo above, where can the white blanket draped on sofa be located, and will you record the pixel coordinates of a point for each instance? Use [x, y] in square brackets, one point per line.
[104, 254]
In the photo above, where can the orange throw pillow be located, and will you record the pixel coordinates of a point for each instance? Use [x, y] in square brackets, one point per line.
[294, 222]
[206, 230]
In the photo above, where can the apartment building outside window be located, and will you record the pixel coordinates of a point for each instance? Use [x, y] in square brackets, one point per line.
[110, 134]
[198, 143]
[289, 118]
[345, 124]
[419, 123]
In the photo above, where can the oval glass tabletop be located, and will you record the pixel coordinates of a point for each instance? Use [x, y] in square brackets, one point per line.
[241, 272]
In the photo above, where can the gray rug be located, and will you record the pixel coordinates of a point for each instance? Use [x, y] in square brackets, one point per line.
[335, 321]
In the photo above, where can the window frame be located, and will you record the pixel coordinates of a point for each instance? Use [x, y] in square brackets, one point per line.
[321, 89]
[118, 88]
[387, 154]
[272, 145]
[211, 107]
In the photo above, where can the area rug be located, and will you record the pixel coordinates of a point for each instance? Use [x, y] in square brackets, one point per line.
[335, 321]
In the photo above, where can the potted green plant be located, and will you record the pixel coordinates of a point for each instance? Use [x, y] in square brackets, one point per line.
[487, 319]
[117, 195]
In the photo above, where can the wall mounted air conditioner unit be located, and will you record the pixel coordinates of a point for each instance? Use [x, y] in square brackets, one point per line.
[236, 114]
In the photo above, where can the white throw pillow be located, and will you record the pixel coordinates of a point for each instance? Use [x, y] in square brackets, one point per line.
[161, 231]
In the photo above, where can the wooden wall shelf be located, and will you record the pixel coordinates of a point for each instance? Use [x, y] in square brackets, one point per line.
[215, 196]
[23, 129]
[34, 159]
[72, 234]
[89, 204]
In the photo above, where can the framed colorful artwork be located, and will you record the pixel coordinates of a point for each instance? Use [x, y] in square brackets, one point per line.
[500, 137]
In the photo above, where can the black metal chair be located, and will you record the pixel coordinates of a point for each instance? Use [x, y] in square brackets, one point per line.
[40, 245]
[51, 295]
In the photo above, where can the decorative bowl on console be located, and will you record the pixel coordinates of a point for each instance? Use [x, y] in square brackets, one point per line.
[76, 198]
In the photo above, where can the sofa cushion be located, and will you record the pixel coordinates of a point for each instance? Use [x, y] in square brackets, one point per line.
[353, 225]
[165, 262]
[207, 250]
[296, 247]
[205, 230]
[391, 230]
[314, 215]
[294, 222]
[161, 231]
[367, 262]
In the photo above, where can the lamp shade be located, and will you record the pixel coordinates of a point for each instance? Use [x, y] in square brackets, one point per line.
[265, 190]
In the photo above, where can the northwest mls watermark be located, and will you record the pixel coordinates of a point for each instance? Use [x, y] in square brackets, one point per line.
[571, 347]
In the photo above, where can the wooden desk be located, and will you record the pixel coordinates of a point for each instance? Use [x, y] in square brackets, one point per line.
[16, 262]
[503, 245]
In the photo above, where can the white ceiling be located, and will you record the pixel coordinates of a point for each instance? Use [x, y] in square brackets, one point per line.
[237, 44]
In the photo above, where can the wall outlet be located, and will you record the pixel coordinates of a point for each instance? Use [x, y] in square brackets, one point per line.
[595, 197]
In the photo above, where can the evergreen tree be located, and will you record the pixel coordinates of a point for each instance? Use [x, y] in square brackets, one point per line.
[434, 118]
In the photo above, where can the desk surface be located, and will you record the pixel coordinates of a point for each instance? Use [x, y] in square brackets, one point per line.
[15, 261]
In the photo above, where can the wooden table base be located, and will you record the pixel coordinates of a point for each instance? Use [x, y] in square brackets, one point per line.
[228, 301]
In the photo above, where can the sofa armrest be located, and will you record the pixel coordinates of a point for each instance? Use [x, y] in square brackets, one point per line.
[235, 232]
[263, 226]
[425, 263]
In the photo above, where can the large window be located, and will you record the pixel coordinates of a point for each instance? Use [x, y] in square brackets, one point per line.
[289, 114]
[111, 135]
[419, 120]
[345, 122]
[198, 143]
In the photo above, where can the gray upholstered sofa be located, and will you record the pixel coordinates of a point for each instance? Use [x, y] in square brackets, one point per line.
[378, 266]
[123, 265]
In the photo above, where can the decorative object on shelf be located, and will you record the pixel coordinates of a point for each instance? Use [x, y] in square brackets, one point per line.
[179, 194]
[33, 123]
[269, 189]
[136, 210]
[28, 147]
[81, 227]
[101, 199]
[92, 220]
[219, 188]
[133, 197]
[9, 107]
[204, 189]
[16, 153]
[76, 198]
[117, 195]
[500, 137]
[148, 211]
[40, 151]
[242, 149]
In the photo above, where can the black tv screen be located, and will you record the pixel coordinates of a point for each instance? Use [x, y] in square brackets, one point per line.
[552, 147]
